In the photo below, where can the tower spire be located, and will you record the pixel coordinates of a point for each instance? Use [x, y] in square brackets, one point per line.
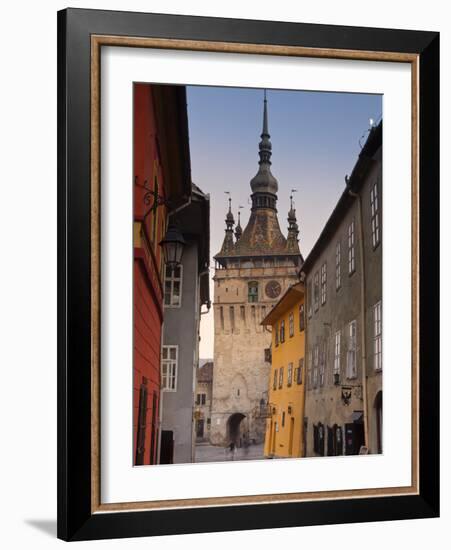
[238, 228]
[228, 244]
[264, 185]
[293, 228]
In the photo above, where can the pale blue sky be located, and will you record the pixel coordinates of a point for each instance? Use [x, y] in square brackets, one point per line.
[315, 138]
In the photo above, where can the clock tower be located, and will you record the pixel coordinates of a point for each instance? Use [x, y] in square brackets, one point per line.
[254, 267]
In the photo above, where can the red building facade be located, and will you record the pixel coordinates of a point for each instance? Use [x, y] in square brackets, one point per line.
[161, 169]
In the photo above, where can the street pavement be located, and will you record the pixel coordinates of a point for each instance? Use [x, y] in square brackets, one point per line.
[213, 453]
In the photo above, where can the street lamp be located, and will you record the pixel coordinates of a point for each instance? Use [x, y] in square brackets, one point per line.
[172, 245]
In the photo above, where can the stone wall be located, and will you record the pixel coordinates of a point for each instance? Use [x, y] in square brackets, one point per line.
[240, 376]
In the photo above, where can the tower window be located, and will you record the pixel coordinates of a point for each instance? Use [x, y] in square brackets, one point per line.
[351, 248]
[374, 202]
[252, 292]
[323, 283]
[173, 287]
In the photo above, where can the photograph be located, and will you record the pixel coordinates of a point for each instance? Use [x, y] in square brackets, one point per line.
[257, 274]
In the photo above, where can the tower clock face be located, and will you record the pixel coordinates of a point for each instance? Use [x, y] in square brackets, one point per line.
[273, 289]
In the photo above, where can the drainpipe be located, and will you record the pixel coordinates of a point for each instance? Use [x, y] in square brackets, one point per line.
[362, 313]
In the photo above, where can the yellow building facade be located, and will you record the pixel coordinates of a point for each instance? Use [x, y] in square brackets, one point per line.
[284, 435]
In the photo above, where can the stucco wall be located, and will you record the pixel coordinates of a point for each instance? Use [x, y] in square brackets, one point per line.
[181, 328]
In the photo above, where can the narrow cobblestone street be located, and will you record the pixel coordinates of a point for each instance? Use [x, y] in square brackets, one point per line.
[213, 453]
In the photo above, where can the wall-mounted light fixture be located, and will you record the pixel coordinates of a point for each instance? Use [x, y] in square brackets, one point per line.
[173, 245]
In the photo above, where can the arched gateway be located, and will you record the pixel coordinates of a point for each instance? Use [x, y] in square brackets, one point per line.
[236, 430]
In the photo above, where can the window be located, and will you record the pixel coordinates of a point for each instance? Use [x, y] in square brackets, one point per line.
[283, 419]
[301, 318]
[290, 374]
[315, 366]
[173, 286]
[201, 399]
[221, 317]
[323, 283]
[338, 265]
[274, 386]
[169, 368]
[337, 352]
[351, 248]
[309, 298]
[276, 334]
[252, 292]
[309, 373]
[291, 324]
[374, 201]
[377, 313]
[322, 365]
[263, 312]
[280, 377]
[300, 371]
[282, 331]
[316, 291]
[351, 367]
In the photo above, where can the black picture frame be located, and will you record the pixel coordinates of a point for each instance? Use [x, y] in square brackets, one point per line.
[75, 518]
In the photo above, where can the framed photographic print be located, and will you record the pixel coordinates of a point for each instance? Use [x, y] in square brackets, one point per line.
[248, 274]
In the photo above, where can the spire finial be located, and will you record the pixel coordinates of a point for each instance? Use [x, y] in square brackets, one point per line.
[291, 200]
[230, 222]
[238, 228]
[265, 116]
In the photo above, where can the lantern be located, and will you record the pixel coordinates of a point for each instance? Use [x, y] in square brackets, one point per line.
[173, 244]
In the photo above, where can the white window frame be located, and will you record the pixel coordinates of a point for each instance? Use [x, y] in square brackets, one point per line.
[169, 368]
[351, 364]
[309, 370]
[290, 374]
[315, 365]
[316, 291]
[351, 248]
[323, 283]
[280, 378]
[375, 226]
[377, 336]
[291, 324]
[338, 265]
[322, 365]
[337, 350]
[310, 298]
[172, 279]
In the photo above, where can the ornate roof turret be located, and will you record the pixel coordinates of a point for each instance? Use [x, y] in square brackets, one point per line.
[293, 229]
[264, 181]
[228, 244]
[238, 228]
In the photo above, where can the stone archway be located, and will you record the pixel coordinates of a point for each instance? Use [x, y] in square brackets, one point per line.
[234, 426]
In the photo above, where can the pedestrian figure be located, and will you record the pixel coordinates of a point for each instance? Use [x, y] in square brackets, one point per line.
[232, 450]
